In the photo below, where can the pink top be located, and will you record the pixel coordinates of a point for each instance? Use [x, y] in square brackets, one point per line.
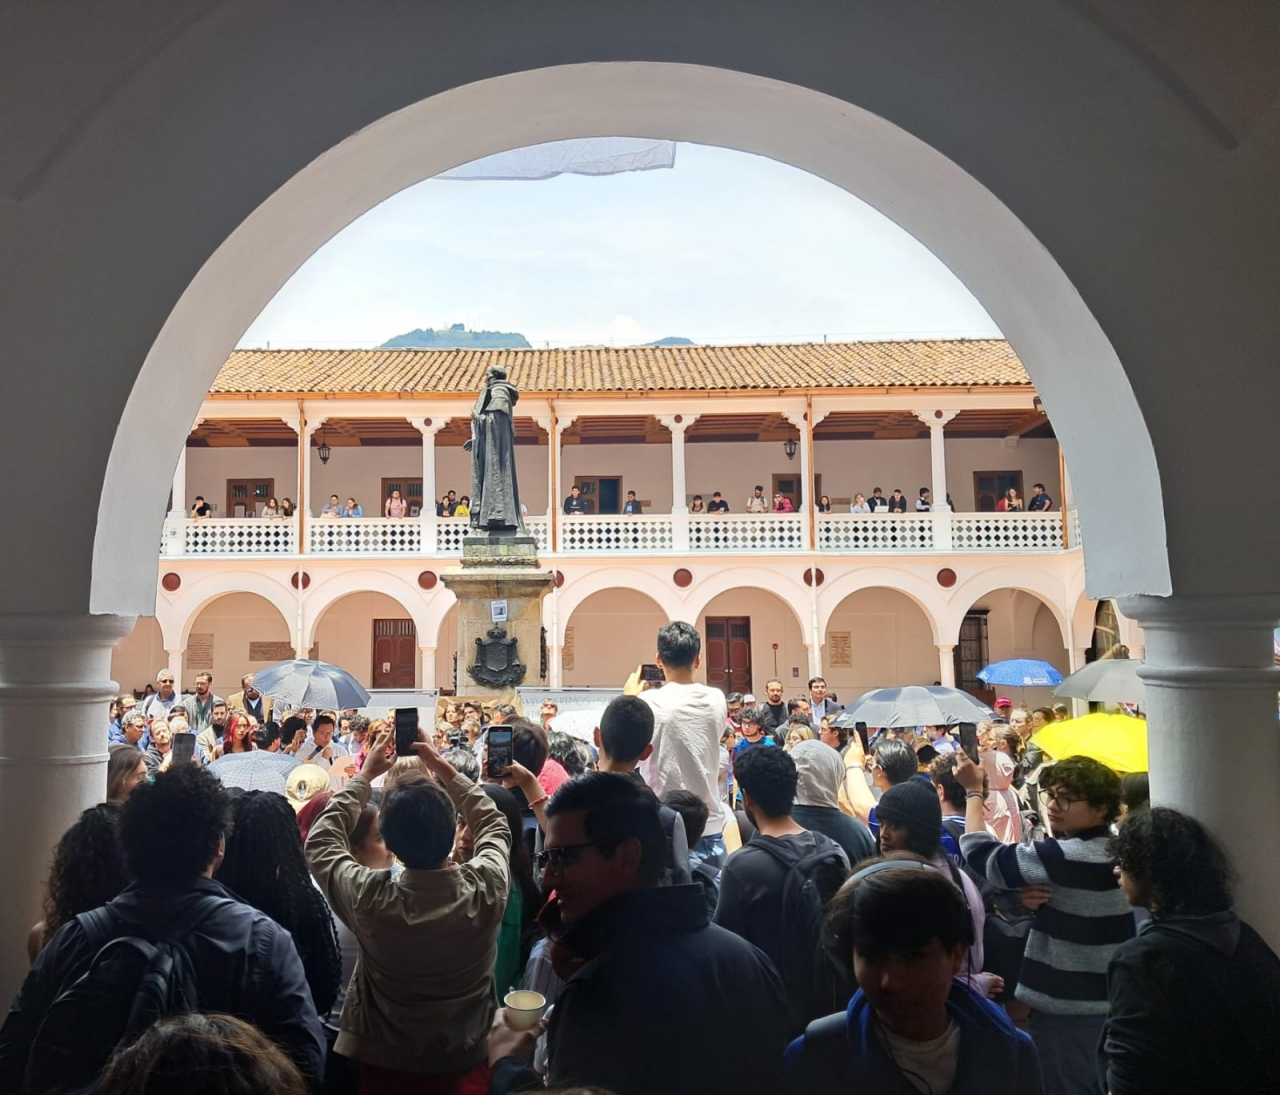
[397, 507]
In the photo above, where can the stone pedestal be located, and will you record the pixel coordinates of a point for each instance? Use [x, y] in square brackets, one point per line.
[498, 568]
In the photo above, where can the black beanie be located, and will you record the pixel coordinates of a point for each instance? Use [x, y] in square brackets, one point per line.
[912, 805]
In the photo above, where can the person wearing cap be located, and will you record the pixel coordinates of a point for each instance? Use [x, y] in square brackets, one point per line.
[1004, 707]
[820, 771]
[901, 928]
[911, 821]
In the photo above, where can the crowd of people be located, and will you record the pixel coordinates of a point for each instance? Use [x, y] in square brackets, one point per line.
[714, 894]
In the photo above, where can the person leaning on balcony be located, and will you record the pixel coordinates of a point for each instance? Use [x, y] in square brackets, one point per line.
[878, 502]
[897, 501]
[332, 508]
[757, 502]
[718, 504]
[271, 509]
[463, 508]
[925, 502]
[697, 506]
[1039, 501]
[575, 503]
[781, 503]
[287, 508]
[632, 505]
[859, 505]
[352, 509]
[1010, 503]
[200, 509]
[396, 506]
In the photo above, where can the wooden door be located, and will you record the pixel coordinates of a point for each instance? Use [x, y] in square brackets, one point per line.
[789, 487]
[395, 654]
[990, 486]
[246, 497]
[603, 493]
[729, 653]
[410, 489]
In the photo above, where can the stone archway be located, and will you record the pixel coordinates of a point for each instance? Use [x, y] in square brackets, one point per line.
[607, 635]
[890, 640]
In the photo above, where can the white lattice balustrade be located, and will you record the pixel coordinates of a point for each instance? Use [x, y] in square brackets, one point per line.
[747, 532]
[1006, 531]
[636, 535]
[450, 532]
[881, 532]
[539, 529]
[239, 536]
[365, 536]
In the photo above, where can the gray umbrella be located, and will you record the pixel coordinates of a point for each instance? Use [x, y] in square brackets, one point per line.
[1108, 680]
[318, 685]
[914, 705]
[255, 771]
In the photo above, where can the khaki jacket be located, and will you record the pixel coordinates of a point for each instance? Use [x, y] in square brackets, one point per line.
[235, 702]
[421, 998]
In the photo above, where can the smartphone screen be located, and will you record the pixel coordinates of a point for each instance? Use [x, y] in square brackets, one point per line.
[653, 674]
[499, 749]
[184, 748]
[969, 740]
[406, 730]
[860, 728]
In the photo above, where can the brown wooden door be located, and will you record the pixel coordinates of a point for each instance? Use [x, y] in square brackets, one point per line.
[729, 653]
[246, 497]
[789, 487]
[410, 489]
[395, 654]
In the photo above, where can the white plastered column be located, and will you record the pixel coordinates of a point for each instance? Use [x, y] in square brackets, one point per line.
[427, 656]
[937, 421]
[947, 664]
[428, 428]
[55, 684]
[801, 422]
[556, 457]
[1214, 745]
[175, 667]
[178, 503]
[678, 424]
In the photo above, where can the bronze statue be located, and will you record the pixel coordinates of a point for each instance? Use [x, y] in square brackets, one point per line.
[495, 497]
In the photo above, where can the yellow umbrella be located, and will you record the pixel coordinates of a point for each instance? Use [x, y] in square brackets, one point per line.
[1118, 741]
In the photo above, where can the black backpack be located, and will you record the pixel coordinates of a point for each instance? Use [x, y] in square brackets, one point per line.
[130, 983]
[810, 883]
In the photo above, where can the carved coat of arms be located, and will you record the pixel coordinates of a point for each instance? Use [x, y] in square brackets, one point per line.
[496, 662]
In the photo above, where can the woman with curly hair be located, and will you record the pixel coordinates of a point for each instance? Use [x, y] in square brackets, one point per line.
[87, 871]
[1196, 975]
[201, 1055]
[264, 867]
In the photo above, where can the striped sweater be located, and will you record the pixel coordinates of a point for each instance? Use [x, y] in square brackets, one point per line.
[1075, 932]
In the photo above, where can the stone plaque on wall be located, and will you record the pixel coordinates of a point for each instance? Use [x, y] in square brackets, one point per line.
[566, 654]
[199, 655]
[270, 652]
[840, 650]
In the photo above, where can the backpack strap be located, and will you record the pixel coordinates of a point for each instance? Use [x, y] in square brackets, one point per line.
[98, 926]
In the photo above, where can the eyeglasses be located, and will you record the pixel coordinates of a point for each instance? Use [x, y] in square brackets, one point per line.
[1059, 799]
[557, 859]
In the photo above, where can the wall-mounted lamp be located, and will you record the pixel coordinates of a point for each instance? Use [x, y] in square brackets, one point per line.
[324, 452]
[789, 447]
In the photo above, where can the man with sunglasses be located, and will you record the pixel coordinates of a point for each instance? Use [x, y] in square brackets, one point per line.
[1082, 916]
[165, 699]
[638, 1015]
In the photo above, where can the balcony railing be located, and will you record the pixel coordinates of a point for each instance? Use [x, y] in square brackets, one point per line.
[672, 534]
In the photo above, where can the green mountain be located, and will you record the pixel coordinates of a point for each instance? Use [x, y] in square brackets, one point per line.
[456, 337]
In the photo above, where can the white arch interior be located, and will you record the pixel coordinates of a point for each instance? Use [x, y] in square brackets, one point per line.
[220, 638]
[777, 638]
[343, 633]
[608, 635]
[889, 639]
[995, 255]
[1021, 625]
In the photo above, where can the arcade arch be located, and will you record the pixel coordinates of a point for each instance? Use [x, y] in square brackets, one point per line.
[343, 632]
[607, 635]
[1018, 623]
[749, 634]
[889, 638]
[139, 655]
[233, 634]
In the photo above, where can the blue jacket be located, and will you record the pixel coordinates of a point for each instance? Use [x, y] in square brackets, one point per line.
[995, 1057]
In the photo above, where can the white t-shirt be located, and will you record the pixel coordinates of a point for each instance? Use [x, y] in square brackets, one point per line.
[930, 1067]
[688, 720]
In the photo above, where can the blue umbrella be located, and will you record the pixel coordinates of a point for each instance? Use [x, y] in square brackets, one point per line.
[303, 683]
[1016, 673]
[914, 705]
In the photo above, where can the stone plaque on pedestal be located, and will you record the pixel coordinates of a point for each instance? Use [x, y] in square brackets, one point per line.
[499, 589]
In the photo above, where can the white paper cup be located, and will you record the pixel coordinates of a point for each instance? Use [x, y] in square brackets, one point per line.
[524, 1009]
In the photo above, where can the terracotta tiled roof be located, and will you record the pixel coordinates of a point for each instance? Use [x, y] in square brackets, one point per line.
[915, 364]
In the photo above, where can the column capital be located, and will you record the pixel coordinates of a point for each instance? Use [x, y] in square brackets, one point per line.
[429, 427]
[292, 421]
[946, 648]
[671, 423]
[564, 422]
[1223, 638]
[542, 421]
[936, 418]
[799, 418]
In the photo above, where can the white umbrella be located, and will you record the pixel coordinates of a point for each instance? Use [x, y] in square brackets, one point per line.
[1108, 680]
[579, 722]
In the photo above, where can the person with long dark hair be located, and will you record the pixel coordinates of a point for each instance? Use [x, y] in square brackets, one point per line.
[519, 923]
[126, 768]
[87, 871]
[264, 867]
[1194, 1000]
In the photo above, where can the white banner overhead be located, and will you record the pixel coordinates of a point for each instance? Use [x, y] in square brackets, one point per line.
[582, 156]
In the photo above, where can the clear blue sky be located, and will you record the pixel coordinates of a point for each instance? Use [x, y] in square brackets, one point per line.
[724, 247]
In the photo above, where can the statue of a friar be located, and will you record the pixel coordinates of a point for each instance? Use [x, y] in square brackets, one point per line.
[495, 498]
